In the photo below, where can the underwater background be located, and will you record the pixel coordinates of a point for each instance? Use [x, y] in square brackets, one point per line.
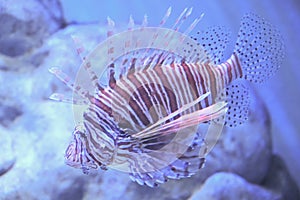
[259, 160]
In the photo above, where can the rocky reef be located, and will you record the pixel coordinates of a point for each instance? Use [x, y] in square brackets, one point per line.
[35, 131]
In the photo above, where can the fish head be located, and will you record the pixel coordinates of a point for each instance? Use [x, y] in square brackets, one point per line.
[77, 155]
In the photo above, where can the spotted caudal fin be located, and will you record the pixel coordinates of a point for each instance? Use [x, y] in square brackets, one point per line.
[259, 48]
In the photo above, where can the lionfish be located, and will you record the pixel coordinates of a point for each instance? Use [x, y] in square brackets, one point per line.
[163, 96]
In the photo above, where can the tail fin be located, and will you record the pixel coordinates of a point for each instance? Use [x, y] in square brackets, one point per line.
[259, 48]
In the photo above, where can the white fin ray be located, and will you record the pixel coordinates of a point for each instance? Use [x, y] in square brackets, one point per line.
[110, 27]
[145, 21]
[182, 17]
[62, 98]
[193, 24]
[87, 65]
[131, 23]
[151, 58]
[79, 47]
[165, 18]
[67, 81]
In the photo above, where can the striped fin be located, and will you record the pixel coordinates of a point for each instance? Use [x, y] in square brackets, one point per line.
[157, 57]
[131, 23]
[133, 59]
[147, 53]
[186, 165]
[192, 26]
[191, 119]
[145, 21]
[79, 47]
[110, 27]
[182, 17]
[86, 63]
[68, 82]
[149, 57]
[167, 15]
[62, 98]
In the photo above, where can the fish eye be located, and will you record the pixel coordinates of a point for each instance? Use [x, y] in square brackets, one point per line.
[79, 131]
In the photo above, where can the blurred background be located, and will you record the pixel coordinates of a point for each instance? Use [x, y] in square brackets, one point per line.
[281, 93]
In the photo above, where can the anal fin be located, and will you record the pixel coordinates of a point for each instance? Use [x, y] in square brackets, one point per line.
[237, 98]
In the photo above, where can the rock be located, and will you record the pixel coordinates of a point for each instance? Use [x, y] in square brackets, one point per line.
[280, 181]
[232, 187]
[8, 114]
[25, 25]
[7, 159]
[38, 138]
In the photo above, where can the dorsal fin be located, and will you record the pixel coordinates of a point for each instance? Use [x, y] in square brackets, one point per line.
[182, 17]
[110, 27]
[167, 15]
[214, 40]
[149, 56]
[86, 63]
[131, 23]
[135, 49]
[68, 82]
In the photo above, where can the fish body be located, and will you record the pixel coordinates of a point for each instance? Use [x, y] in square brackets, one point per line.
[145, 120]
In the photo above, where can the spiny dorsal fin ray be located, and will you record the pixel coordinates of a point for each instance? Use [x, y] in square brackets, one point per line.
[62, 98]
[110, 27]
[79, 47]
[145, 21]
[192, 26]
[86, 63]
[182, 17]
[180, 20]
[162, 22]
[167, 15]
[68, 82]
[150, 57]
[131, 23]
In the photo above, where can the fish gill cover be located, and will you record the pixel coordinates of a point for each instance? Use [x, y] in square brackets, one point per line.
[152, 101]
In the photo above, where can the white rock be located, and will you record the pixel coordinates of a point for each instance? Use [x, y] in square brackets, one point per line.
[7, 159]
[232, 187]
[24, 25]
